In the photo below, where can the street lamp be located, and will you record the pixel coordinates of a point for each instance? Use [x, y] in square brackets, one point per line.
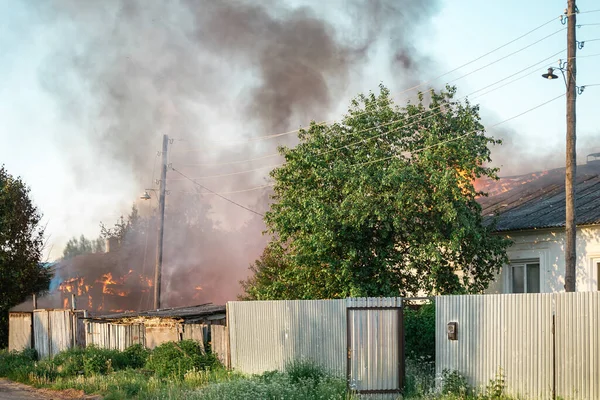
[550, 75]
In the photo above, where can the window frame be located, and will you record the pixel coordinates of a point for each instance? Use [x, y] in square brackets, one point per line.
[523, 263]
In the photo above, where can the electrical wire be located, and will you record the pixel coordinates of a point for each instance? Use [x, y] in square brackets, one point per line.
[464, 135]
[272, 136]
[231, 162]
[412, 123]
[380, 159]
[234, 173]
[215, 193]
[230, 192]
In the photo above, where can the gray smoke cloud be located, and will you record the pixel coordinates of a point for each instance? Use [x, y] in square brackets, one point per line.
[127, 72]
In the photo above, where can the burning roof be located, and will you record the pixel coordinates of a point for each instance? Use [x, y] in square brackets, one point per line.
[537, 200]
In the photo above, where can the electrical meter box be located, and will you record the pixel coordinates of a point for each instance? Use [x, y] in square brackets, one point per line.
[452, 330]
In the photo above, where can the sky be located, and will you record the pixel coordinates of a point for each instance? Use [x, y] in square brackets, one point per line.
[48, 112]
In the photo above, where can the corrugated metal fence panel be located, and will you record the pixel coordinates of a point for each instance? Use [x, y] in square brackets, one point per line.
[578, 345]
[41, 333]
[375, 344]
[19, 330]
[61, 331]
[267, 335]
[220, 343]
[512, 332]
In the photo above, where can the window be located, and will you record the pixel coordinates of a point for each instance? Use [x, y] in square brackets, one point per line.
[598, 274]
[524, 276]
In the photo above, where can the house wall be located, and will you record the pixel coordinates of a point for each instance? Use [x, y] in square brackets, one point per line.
[548, 245]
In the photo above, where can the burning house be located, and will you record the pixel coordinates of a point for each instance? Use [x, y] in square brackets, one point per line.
[530, 210]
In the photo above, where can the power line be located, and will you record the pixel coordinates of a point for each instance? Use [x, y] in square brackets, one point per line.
[508, 55]
[230, 192]
[411, 123]
[464, 135]
[272, 136]
[231, 162]
[215, 193]
[236, 173]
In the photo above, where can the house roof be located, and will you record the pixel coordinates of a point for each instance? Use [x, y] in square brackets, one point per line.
[537, 200]
[198, 312]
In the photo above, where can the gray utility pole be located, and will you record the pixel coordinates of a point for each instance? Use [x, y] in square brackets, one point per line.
[161, 223]
[571, 170]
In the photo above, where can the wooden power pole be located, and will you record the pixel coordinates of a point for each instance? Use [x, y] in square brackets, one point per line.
[161, 223]
[571, 167]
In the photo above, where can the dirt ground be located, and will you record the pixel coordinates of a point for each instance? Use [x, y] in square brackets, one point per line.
[15, 391]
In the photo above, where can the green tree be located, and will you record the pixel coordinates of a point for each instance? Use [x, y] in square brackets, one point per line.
[21, 245]
[75, 247]
[383, 204]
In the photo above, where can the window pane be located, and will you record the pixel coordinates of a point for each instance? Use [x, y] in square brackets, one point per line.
[518, 279]
[533, 278]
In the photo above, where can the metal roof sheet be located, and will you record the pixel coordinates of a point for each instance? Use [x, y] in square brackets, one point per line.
[187, 312]
[537, 200]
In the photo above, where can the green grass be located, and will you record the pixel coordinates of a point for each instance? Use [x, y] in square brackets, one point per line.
[171, 371]
[184, 371]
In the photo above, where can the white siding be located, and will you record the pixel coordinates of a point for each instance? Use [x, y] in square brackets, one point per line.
[548, 246]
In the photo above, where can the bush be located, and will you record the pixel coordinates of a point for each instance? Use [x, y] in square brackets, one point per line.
[420, 379]
[135, 356]
[454, 383]
[175, 359]
[12, 362]
[301, 381]
[299, 371]
[419, 333]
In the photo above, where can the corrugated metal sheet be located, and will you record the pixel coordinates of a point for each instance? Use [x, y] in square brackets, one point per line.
[220, 343]
[267, 335]
[52, 331]
[61, 330]
[512, 332]
[114, 336]
[375, 344]
[538, 200]
[41, 333]
[20, 330]
[578, 345]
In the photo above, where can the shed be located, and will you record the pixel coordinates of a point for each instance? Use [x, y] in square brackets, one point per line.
[154, 327]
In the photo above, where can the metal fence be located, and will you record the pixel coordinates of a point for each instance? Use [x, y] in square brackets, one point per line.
[360, 339]
[54, 331]
[20, 332]
[545, 345]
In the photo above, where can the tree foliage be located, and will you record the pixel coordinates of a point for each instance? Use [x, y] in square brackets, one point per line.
[382, 204]
[83, 245]
[21, 245]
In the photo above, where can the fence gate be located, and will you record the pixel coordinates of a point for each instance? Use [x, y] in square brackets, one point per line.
[375, 346]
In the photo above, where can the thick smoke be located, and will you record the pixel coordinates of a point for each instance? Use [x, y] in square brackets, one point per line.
[516, 157]
[207, 72]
